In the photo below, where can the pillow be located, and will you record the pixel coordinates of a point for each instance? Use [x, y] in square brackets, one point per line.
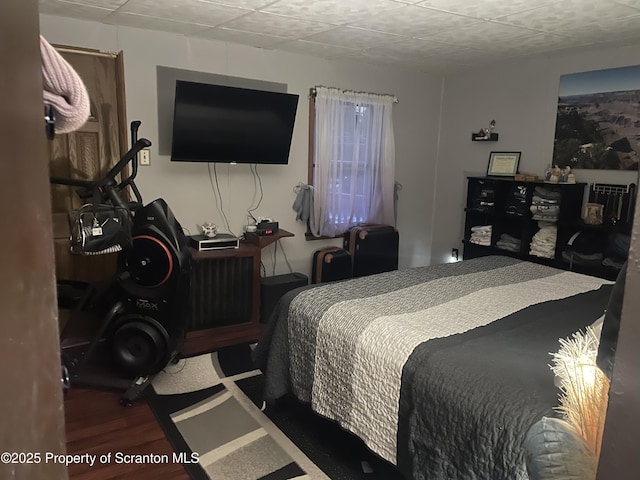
[554, 450]
[597, 326]
[611, 325]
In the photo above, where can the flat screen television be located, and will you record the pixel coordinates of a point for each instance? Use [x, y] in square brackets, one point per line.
[216, 123]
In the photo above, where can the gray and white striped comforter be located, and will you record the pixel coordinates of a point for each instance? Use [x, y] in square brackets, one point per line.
[359, 352]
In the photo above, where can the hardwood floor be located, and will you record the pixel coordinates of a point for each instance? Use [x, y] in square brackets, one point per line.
[97, 424]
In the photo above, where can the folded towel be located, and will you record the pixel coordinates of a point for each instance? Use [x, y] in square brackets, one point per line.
[63, 90]
[303, 204]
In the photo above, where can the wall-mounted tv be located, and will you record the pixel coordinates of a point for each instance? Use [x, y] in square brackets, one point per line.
[216, 123]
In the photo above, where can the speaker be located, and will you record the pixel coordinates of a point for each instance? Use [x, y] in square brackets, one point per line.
[154, 288]
[273, 288]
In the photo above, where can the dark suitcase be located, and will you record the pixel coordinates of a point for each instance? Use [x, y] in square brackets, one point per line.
[373, 249]
[330, 264]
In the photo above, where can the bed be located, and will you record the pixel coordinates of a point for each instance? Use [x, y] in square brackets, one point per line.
[440, 370]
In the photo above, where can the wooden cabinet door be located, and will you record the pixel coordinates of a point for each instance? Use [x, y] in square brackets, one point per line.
[87, 154]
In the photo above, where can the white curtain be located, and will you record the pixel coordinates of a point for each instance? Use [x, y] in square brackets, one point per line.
[354, 156]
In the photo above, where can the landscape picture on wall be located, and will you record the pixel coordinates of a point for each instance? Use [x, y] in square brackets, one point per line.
[598, 120]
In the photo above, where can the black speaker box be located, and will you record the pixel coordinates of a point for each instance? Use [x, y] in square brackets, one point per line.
[273, 288]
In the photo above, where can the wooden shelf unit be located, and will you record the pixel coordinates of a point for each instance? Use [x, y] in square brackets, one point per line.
[225, 295]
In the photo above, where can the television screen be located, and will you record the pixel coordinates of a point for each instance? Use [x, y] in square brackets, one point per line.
[215, 123]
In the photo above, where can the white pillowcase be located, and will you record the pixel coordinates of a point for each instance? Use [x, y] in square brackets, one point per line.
[597, 326]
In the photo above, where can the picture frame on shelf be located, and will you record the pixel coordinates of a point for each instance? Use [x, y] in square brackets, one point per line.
[503, 164]
[594, 213]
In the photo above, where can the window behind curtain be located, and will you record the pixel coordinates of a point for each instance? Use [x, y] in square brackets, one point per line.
[353, 155]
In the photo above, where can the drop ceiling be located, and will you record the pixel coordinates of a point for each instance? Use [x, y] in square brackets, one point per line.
[428, 35]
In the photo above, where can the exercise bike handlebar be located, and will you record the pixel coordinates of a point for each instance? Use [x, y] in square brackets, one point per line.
[135, 125]
[130, 155]
[108, 185]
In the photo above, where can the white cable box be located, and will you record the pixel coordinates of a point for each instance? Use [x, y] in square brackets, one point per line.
[221, 240]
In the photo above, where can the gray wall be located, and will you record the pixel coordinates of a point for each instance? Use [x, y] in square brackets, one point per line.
[187, 187]
[433, 125]
[522, 97]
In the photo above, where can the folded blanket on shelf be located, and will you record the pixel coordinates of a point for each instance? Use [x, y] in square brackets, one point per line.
[508, 242]
[543, 243]
[481, 241]
[481, 235]
[507, 246]
[536, 200]
[545, 209]
[546, 193]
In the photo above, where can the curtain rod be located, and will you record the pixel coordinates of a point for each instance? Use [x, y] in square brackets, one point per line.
[312, 93]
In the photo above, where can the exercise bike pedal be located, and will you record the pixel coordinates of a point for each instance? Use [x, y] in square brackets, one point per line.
[135, 391]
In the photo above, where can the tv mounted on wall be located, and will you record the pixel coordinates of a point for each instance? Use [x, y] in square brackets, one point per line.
[216, 123]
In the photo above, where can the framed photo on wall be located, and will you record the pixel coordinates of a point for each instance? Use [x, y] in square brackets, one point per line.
[503, 164]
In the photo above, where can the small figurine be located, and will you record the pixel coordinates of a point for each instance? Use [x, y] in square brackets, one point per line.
[556, 172]
[485, 133]
[209, 230]
[567, 176]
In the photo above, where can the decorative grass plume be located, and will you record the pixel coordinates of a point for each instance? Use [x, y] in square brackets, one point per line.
[584, 388]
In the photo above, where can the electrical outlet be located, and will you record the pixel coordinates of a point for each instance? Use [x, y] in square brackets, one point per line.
[454, 253]
[145, 157]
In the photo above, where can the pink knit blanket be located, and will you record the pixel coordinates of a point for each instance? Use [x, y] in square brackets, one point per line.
[63, 89]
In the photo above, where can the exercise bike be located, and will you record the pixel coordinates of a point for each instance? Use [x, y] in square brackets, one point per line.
[144, 310]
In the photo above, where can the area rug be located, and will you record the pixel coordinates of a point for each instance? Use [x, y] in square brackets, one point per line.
[211, 410]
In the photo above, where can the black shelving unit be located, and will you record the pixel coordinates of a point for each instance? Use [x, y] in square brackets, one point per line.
[504, 204]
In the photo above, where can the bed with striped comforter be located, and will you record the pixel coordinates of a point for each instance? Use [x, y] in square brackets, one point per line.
[440, 370]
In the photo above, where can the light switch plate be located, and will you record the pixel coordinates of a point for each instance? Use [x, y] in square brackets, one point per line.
[145, 157]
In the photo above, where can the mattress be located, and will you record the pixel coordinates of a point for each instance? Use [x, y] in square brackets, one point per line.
[440, 370]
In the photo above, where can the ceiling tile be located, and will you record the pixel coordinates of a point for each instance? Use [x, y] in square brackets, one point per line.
[74, 10]
[250, 4]
[354, 38]
[245, 38]
[406, 44]
[559, 16]
[337, 12]
[192, 11]
[318, 49]
[630, 3]
[153, 23]
[378, 56]
[108, 4]
[414, 21]
[481, 35]
[484, 9]
[428, 34]
[540, 42]
[277, 25]
[445, 50]
[628, 27]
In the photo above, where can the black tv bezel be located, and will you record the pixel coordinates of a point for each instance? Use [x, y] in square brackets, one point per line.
[291, 97]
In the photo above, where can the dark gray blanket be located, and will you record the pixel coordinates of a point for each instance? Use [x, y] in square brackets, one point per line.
[419, 363]
[468, 400]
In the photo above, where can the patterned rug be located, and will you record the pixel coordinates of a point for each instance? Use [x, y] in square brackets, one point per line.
[211, 406]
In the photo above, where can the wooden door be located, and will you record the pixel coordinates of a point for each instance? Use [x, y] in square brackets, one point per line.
[87, 154]
[31, 393]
